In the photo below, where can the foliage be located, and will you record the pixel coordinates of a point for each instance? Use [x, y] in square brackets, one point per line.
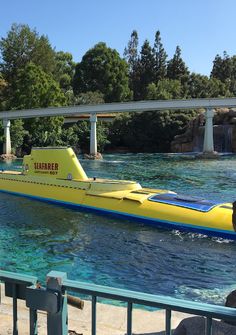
[34, 88]
[3, 88]
[132, 58]
[164, 89]
[21, 46]
[102, 69]
[89, 98]
[64, 70]
[82, 131]
[150, 131]
[146, 69]
[224, 69]
[200, 86]
[43, 132]
[119, 130]
[18, 133]
[160, 67]
[176, 68]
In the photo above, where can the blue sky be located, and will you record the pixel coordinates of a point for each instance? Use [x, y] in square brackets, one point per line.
[201, 28]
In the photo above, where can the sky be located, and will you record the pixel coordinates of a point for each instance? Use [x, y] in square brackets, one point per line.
[201, 28]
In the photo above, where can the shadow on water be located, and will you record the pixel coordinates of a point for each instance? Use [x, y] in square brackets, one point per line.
[36, 237]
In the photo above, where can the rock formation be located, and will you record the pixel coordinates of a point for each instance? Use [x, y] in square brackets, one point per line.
[224, 131]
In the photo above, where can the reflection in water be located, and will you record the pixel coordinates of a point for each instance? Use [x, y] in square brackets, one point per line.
[36, 237]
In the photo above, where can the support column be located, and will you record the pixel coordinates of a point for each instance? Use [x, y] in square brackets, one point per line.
[208, 145]
[7, 140]
[93, 134]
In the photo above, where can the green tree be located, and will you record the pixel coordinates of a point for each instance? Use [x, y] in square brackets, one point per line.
[164, 89]
[21, 46]
[43, 132]
[18, 134]
[34, 88]
[3, 95]
[89, 98]
[176, 68]
[160, 58]
[102, 69]
[82, 131]
[222, 67]
[146, 68]
[150, 132]
[64, 70]
[200, 86]
[132, 58]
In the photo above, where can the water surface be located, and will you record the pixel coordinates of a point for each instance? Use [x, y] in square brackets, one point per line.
[36, 237]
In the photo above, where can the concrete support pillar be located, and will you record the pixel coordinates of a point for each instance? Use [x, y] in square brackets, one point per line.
[7, 140]
[93, 134]
[208, 145]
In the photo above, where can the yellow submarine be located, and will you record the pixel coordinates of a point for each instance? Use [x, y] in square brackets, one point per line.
[55, 175]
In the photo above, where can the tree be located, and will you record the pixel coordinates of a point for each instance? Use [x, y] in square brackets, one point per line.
[21, 46]
[34, 88]
[164, 89]
[43, 132]
[222, 67]
[132, 58]
[3, 95]
[102, 69]
[200, 86]
[131, 52]
[160, 58]
[64, 70]
[89, 98]
[146, 68]
[17, 136]
[176, 68]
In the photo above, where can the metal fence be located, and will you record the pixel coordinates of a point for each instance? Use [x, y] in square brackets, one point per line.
[53, 300]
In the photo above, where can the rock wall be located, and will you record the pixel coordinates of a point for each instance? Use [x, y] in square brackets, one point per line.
[224, 132]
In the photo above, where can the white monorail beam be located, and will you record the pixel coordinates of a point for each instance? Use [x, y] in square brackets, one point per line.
[138, 106]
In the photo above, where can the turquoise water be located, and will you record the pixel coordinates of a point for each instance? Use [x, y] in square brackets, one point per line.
[37, 237]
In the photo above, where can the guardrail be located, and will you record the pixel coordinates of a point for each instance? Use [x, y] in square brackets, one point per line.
[53, 300]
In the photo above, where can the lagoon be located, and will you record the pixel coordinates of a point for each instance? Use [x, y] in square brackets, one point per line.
[37, 237]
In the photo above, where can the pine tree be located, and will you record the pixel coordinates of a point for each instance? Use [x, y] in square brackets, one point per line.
[131, 52]
[132, 58]
[146, 68]
[222, 67]
[176, 68]
[160, 58]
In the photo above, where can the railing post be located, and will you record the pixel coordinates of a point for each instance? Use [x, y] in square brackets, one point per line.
[94, 315]
[208, 328]
[168, 321]
[57, 323]
[15, 317]
[129, 318]
[33, 322]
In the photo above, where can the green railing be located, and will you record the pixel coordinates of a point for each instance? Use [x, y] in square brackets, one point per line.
[53, 300]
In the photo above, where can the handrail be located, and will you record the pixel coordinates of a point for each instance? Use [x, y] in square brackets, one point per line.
[53, 300]
[146, 299]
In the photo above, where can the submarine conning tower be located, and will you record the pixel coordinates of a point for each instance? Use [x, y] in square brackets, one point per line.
[59, 162]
